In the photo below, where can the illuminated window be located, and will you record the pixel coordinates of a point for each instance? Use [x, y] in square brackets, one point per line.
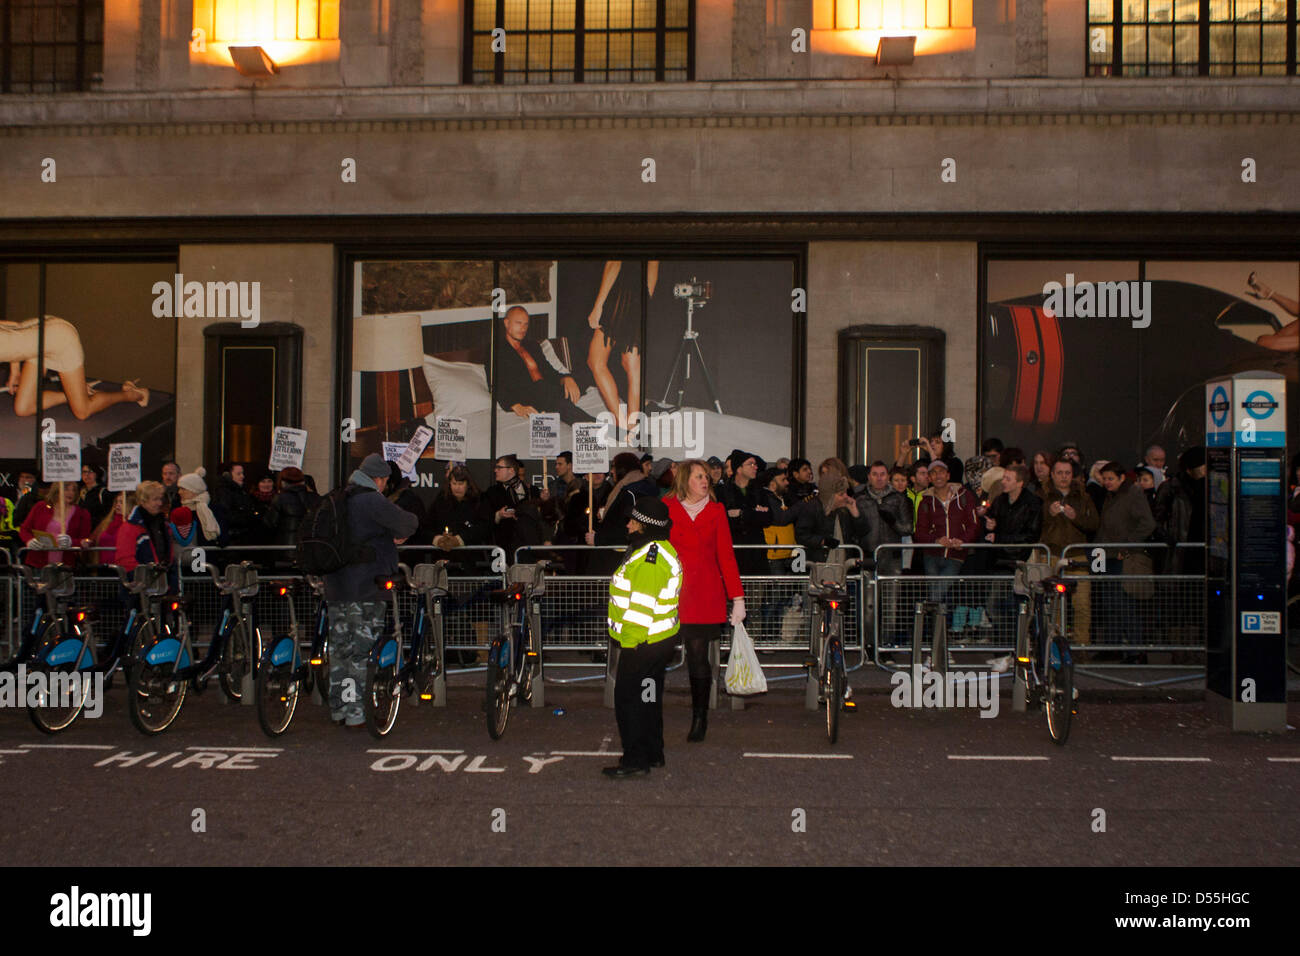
[579, 41]
[1191, 37]
[248, 21]
[50, 46]
[891, 14]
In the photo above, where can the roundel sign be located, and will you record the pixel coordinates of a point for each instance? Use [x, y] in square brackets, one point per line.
[1220, 406]
[1259, 404]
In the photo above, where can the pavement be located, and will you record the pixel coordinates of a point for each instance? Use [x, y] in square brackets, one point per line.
[1146, 778]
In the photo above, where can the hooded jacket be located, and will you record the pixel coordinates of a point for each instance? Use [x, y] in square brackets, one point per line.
[955, 518]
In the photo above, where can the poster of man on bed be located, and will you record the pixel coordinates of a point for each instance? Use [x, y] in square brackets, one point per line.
[681, 358]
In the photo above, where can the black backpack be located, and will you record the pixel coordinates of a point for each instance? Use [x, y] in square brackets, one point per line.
[325, 542]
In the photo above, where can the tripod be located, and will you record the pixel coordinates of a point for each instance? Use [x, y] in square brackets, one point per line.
[690, 339]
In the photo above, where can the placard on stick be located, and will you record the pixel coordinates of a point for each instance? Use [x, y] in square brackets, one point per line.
[590, 451]
[288, 445]
[393, 451]
[123, 466]
[414, 449]
[61, 458]
[544, 435]
[451, 439]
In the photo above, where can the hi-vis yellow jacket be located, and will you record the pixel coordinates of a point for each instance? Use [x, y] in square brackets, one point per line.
[643, 595]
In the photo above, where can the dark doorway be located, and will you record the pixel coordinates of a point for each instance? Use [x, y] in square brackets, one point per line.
[254, 382]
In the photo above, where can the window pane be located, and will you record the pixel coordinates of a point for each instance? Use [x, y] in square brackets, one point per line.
[1187, 10]
[1135, 47]
[675, 52]
[846, 14]
[620, 51]
[539, 14]
[1161, 44]
[539, 52]
[483, 52]
[1275, 43]
[1135, 11]
[1274, 10]
[66, 24]
[44, 24]
[516, 16]
[913, 14]
[620, 14]
[1186, 48]
[1220, 10]
[677, 13]
[644, 47]
[1099, 11]
[1247, 10]
[869, 15]
[962, 15]
[1248, 44]
[594, 51]
[562, 53]
[1220, 44]
[42, 63]
[485, 12]
[597, 15]
[516, 55]
[1160, 11]
[645, 13]
[329, 19]
[564, 12]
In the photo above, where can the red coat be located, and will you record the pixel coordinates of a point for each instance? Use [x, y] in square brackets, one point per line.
[40, 518]
[709, 573]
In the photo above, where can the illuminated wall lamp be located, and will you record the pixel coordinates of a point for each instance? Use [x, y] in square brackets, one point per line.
[252, 61]
[895, 51]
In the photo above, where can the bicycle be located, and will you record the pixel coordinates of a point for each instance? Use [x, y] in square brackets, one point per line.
[59, 648]
[164, 671]
[514, 661]
[826, 642]
[284, 675]
[1043, 664]
[420, 672]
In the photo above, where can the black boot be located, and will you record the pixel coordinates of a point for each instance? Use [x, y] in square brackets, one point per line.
[699, 710]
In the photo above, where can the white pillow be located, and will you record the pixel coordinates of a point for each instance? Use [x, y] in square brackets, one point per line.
[458, 388]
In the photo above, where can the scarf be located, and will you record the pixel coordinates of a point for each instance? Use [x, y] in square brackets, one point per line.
[199, 505]
[693, 509]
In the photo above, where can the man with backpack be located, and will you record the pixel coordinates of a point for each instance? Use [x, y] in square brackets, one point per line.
[351, 538]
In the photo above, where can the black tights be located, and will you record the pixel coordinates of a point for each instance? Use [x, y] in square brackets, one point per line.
[696, 639]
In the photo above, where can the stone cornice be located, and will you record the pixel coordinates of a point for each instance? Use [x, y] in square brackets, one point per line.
[804, 103]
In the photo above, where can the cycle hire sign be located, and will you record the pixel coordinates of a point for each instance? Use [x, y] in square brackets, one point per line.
[1218, 413]
[123, 466]
[1260, 412]
[61, 458]
[590, 453]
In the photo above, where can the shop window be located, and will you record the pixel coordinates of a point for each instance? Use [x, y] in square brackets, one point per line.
[1191, 37]
[50, 46]
[227, 21]
[578, 41]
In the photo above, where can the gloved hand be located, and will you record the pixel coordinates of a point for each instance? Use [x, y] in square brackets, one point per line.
[64, 541]
[37, 544]
[737, 611]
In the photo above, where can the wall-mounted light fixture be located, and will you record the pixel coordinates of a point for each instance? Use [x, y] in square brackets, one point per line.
[253, 61]
[895, 51]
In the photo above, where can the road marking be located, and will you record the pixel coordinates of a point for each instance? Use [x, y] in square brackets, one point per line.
[586, 753]
[993, 757]
[14, 751]
[801, 756]
[1270, 759]
[242, 749]
[1163, 759]
[68, 746]
[409, 750]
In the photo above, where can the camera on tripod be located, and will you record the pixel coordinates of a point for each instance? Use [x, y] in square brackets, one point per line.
[695, 291]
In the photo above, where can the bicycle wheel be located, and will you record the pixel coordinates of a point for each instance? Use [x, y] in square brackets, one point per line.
[382, 698]
[278, 689]
[497, 703]
[1060, 696]
[56, 705]
[233, 663]
[154, 695]
[834, 700]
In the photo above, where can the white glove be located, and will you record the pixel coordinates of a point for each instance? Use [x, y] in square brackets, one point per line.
[64, 541]
[737, 611]
[37, 543]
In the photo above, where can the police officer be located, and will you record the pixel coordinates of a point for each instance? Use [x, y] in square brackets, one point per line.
[643, 619]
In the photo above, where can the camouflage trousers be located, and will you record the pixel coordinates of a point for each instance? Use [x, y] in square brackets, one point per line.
[354, 628]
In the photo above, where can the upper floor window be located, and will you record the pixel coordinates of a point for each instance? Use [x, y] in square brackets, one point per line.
[891, 14]
[50, 46]
[579, 41]
[1191, 37]
[251, 21]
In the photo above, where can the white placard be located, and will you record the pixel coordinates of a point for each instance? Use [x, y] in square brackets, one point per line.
[393, 451]
[288, 445]
[414, 449]
[544, 435]
[61, 458]
[123, 466]
[590, 453]
[451, 440]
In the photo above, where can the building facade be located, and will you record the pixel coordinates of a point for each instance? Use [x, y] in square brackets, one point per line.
[846, 216]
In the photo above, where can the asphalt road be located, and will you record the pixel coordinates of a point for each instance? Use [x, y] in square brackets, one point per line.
[902, 787]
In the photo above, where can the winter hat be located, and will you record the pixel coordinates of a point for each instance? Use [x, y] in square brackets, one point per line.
[193, 481]
[374, 466]
[992, 478]
[660, 466]
[293, 475]
[1194, 457]
[183, 519]
[738, 458]
[653, 514]
[714, 461]
[860, 474]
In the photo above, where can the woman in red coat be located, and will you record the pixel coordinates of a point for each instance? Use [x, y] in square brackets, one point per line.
[70, 532]
[702, 539]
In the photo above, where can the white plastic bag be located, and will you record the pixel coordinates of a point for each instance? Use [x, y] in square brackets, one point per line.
[744, 675]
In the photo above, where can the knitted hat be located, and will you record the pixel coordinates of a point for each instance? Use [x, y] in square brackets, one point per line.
[291, 475]
[193, 481]
[374, 466]
[652, 513]
[183, 519]
[660, 466]
[1194, 457]
[738, 458]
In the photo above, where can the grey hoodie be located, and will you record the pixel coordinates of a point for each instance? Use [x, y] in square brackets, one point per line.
[374, 521]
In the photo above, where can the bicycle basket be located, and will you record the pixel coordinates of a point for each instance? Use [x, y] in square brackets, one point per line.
[429, 577]
[829, 571]
[1030, 575]
[529, 576]
[57, 580]
[242, 578]
[151, 579]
